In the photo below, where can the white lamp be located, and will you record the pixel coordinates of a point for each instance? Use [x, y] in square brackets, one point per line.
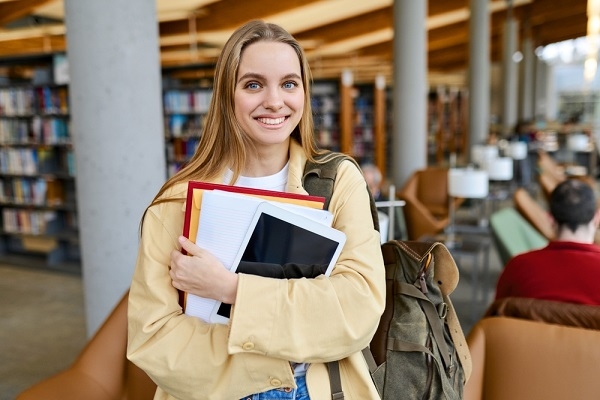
[517, 150]
[500, 169]
[468, 183]
[482, 154]
[578, 142]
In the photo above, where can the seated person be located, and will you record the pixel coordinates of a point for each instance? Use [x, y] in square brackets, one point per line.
[568, 268]
[374, 180]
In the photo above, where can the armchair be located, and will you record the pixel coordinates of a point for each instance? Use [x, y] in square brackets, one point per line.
[549, 311]
[519, 359]
[512, 234]
[101, 371]
[426, 211]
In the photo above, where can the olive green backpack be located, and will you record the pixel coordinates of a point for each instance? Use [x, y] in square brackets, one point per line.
[419, 349]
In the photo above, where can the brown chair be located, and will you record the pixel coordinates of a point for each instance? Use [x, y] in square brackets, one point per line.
[427, 202]
[549, 166]
[534, 213]
[518, 359]
[547, 183]
[101, 371]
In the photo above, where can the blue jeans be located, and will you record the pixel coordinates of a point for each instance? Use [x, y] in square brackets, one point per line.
[301, 393]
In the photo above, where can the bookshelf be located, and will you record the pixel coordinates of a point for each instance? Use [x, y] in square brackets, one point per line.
[363, 140]
[184, 111]
[37, 177]
[325, 103]
[446, 123]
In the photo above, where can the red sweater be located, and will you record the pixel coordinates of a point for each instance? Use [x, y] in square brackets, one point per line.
[561, 271]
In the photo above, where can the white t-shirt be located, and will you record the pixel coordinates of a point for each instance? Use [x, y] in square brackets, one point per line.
[277, 181]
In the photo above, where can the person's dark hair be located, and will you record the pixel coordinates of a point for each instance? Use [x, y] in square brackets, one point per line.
[572, 203]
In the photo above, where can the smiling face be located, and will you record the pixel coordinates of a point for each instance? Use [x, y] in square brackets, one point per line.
[269, 96]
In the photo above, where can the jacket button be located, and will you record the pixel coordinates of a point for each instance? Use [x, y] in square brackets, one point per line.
[275, 382]
[248, 346]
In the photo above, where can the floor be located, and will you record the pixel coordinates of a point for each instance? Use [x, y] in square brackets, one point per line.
[43, 327]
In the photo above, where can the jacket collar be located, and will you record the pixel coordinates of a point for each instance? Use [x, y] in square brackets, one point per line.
[296, 168]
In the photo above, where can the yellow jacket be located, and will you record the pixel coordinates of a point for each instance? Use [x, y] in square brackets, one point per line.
[273, 322]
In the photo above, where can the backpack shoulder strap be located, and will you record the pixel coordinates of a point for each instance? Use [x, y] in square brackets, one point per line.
[319, 177]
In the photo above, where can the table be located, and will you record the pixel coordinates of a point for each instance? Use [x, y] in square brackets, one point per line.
[387, 227]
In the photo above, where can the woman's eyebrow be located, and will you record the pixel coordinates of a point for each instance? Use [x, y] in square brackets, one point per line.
[254, 75]
[251, 75]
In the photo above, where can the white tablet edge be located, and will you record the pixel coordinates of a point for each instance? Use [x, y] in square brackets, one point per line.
[295, 219]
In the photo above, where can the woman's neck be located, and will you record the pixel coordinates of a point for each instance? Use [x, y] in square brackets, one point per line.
[265, 163]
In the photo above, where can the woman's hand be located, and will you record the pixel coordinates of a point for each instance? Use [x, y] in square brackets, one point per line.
[201, 273]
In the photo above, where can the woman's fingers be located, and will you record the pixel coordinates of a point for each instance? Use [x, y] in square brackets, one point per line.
[189, 246]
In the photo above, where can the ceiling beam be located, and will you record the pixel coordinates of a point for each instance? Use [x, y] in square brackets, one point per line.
[229, 14]
[13, 10]
[356, 26]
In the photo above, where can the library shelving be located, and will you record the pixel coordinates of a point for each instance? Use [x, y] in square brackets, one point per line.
[325, 102]
[446, 121]
[363, 143]
[364, 132]
[37, 178]
[184, 112]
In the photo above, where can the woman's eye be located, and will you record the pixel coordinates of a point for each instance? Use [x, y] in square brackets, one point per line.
[290, 85]
[252, 85]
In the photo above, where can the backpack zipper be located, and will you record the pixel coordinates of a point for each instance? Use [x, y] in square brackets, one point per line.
[421, 281]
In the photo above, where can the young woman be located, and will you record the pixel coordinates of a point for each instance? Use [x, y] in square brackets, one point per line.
[258, 133]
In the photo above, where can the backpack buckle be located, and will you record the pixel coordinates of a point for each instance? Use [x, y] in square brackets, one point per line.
[442, 310]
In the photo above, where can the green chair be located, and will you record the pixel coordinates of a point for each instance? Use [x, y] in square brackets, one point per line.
[512, 234]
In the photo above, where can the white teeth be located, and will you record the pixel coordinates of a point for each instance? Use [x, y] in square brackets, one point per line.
[271, 121]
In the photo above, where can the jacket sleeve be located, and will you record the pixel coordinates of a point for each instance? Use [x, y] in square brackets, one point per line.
[321, 319]
[186, 357]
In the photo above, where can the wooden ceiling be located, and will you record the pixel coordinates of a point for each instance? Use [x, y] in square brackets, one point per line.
[337, 34]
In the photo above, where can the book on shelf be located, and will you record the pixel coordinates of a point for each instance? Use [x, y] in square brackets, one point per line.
[225, 220]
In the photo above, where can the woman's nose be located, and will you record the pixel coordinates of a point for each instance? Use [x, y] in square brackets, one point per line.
[273, 99]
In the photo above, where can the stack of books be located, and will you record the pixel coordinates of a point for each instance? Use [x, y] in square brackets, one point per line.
[257, 228]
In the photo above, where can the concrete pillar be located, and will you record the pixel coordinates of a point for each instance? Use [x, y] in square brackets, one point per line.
[479, 72]
[509, 76]
[541, 90]
[527, 81]
[409, 140]
[115, 96]
[551, 95]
